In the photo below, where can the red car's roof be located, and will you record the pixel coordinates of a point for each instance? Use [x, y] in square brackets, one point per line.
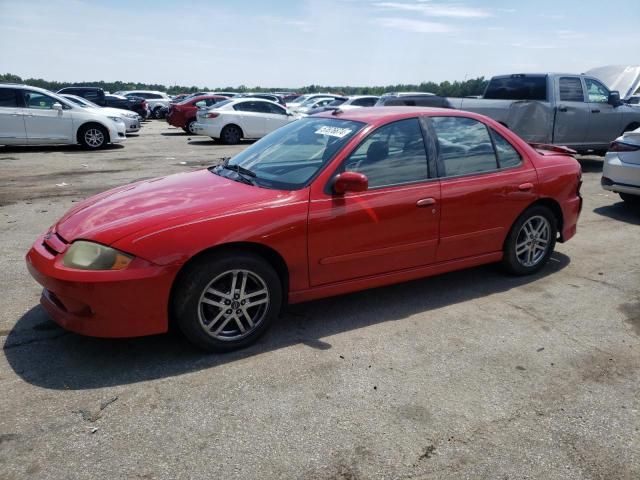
[376, 115]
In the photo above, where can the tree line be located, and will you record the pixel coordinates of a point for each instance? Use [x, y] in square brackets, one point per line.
[474, 86]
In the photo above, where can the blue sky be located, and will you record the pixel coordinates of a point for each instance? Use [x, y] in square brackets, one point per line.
[295, 43]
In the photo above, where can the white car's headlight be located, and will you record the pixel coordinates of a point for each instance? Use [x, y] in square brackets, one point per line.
[85, 255]
[131, 115]
[117, 119]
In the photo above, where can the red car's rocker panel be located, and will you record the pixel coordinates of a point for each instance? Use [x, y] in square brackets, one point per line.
[326, 205]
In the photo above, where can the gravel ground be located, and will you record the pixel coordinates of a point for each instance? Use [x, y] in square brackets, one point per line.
[472, 374]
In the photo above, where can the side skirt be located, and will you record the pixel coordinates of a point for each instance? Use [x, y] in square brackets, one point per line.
[391, 278]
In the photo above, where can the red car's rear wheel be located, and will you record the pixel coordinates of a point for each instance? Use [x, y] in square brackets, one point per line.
[531, 241]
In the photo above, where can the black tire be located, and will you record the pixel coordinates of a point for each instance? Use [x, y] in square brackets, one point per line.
[189, 127]
[93, 137]
[231, 135]
[157, 113]
[214, 321]
[516, 260]
[630, 199]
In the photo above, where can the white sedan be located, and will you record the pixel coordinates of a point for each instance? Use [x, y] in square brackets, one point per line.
[35, 116]
[234, 119]
[131, 119]
[621, 172]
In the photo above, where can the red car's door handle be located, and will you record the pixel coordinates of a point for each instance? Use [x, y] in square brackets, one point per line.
[426, 202]
[525, 187]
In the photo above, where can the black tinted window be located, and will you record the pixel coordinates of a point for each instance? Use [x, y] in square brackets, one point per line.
[517, 88]
[249, 107]
[8, 98]
[394, 154]
[571, 90]
[507, 155]
[91, 95]
[365, 102]
[274, 109]
[464, 146]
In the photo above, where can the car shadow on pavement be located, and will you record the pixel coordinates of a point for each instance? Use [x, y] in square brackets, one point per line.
[47, 356]
[197, 142]
[180, 133]
[74, 149]
[620, 211]
[591, 165]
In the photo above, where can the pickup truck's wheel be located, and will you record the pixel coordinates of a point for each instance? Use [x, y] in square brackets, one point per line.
[191, 124]
[226, 302]
[630, 199]
[231, 135]
[93, 137]
[531, 241]
[157, 112]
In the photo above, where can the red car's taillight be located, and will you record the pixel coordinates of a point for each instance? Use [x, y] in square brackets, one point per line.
[623, 147]
[213, 115]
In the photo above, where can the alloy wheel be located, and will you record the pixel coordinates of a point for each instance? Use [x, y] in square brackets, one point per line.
[94, 137]
[233, 305]
[533, 240]
[231, 135]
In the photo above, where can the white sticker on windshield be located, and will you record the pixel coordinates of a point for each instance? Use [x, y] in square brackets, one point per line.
[333, 131]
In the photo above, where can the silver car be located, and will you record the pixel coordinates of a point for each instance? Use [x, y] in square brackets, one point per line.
[132, 120]
[621, 171]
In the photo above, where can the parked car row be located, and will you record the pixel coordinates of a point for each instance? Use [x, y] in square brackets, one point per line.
[35, 116]
[99, 97]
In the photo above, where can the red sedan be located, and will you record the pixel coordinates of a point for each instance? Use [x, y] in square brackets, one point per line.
[183, 114]
[326, 205]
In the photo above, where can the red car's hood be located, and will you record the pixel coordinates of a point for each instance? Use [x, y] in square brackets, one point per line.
[112, 215]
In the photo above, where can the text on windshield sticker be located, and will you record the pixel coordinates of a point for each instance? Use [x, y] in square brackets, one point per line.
[333, 131]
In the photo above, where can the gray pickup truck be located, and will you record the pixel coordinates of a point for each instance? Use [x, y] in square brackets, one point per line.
[577, 111]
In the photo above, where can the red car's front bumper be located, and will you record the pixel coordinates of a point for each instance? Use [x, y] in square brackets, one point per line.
[120, 303]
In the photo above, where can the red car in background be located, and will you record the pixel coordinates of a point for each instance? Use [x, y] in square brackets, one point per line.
[183, 114]
[326, 205]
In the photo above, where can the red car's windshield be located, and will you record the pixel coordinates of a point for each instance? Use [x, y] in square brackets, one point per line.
[292, 156]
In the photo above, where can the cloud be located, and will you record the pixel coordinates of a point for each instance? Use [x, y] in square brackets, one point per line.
[453, 10]
[570, 35]
[417, 26]
[534, 46]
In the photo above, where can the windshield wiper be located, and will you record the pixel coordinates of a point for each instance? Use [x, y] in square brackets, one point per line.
[244, 174]
[240, 170]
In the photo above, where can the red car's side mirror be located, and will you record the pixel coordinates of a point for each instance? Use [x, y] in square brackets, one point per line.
[350, 182]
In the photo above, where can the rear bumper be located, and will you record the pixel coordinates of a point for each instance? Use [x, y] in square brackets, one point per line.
[126, 303]
[571, 212]
[619, 176]
[207, 129]
[175, 120]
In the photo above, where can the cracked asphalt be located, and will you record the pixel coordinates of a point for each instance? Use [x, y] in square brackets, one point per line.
[469, 375]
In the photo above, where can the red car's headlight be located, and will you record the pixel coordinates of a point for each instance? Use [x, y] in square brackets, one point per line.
[85, 255]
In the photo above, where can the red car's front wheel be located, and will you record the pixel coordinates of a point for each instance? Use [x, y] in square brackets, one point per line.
[225, 302]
